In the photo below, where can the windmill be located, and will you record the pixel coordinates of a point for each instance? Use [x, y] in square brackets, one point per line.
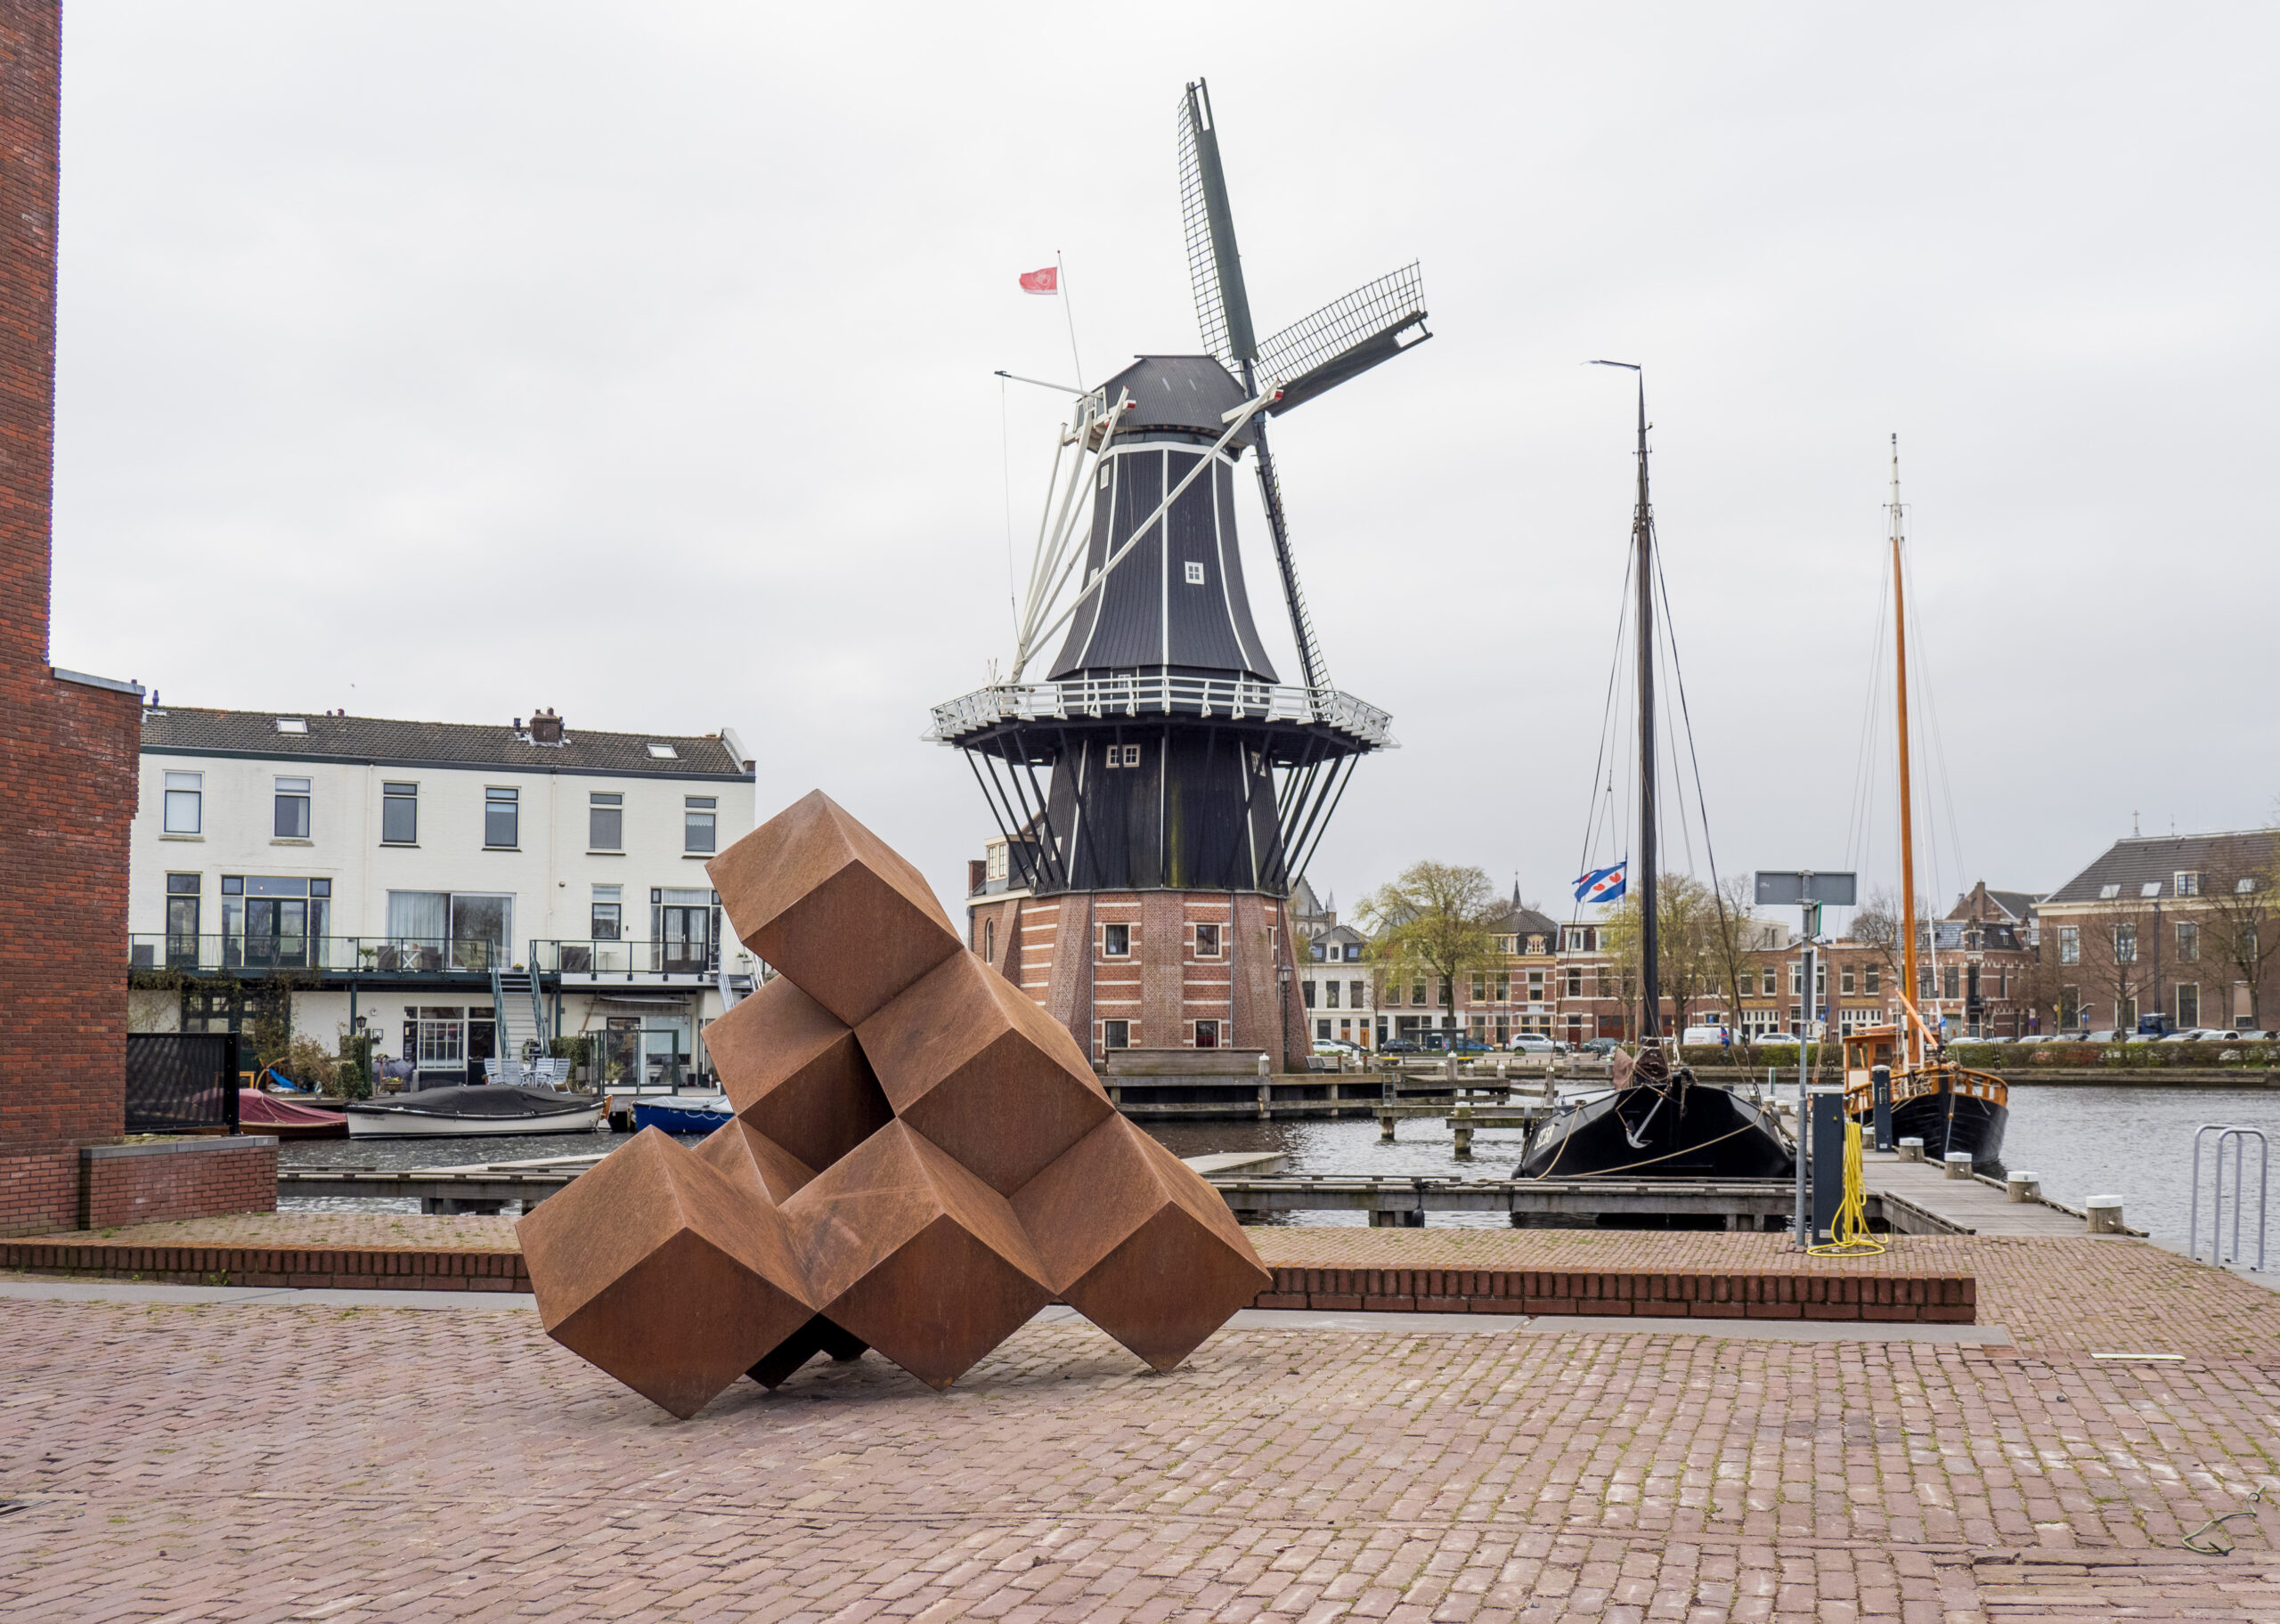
[1160, 791]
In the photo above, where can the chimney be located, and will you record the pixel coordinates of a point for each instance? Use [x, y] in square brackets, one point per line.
[546, 727]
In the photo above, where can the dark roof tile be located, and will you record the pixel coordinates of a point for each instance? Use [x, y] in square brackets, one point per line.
[388, 742]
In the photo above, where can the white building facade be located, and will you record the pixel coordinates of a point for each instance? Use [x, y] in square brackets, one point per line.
[403, 878]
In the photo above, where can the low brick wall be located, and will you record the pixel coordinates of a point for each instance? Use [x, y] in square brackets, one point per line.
[313, 1267]
[186, 1178]
[1945, 1299]
[39, 1189]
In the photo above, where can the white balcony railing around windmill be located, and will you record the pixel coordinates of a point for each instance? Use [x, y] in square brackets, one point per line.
[1158, 694]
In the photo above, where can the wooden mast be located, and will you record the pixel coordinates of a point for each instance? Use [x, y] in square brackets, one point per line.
[1643, 533]
[1910, 1037]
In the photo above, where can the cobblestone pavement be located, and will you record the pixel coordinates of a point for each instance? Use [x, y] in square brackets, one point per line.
[258, 1463]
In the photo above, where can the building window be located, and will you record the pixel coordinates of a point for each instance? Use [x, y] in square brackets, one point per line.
[989, 940]
[1307, 994]
[996, 862]
[1116, 941]
[2189, 1004]
[2070, 945]
[399, 815]
[2125, 944]
[2187, 882]
[2188, 943]
[1874, 980]
[182, 918]
[1356, 998]
[1124, 755]
[292, 809]
[1116, 1034]
[1207, 1035]
[1417, 994]
[604, 822]
[1207, 941]
[1952, 980]
[1441, 986]
[1321, 1029]
[2109, 891]
[1479, 987]
[1329, 995]
[1844, 981]
[699, 816]
[1194, 573]
[185, 799]
[1574, 982]
[607, 923]
[502, 818]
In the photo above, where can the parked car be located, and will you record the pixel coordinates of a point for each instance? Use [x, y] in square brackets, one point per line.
[2106, 1035]
[1599, 1046]
[1703, 1037]
[1401, 1045]
[1536, 1043]
[1335, 1045]
[2252, 1035]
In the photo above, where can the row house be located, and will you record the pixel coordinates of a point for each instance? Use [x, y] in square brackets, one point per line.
[1337, 988]
[386, 874]
[2181, 926]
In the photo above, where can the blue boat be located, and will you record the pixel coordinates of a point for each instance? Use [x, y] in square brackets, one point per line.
[682, 1113]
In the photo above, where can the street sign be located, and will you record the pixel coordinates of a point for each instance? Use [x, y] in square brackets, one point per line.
[1791, 887]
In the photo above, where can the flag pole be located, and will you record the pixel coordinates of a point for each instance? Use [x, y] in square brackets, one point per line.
[1061, 282]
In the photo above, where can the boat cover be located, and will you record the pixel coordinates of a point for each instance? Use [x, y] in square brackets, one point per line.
[256, 1110]
[480, 1099]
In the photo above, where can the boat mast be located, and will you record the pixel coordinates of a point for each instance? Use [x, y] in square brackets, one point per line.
[1910, 1039]
[1642, 531]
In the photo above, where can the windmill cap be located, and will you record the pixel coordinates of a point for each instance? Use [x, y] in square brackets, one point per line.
[1185, 394]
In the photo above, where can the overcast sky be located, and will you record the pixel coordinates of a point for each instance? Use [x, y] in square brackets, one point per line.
[449, 361]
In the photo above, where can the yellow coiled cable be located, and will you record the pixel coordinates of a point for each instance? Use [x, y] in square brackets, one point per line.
[1851, 1234]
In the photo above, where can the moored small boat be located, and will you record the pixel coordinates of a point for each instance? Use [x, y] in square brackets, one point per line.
[481, 1108]
[682, 1113]
[260, 1113]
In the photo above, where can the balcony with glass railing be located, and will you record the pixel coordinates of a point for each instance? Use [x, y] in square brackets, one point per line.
[595, 961]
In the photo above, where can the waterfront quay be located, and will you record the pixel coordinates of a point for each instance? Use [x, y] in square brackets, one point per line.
[186, 1453]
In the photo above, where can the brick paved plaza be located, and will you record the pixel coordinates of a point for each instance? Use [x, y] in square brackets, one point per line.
[249, 1461]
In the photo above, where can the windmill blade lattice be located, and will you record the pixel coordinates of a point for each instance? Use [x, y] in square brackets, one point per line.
[1373, 323]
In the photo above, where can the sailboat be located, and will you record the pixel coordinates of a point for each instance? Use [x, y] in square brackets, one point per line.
[1947, 1106]
[1658, 1122]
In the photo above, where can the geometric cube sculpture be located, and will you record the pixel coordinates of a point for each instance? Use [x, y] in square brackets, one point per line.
[794, 1072]
[660, 1269]
[920, 1159]
[910, 1252]
[752, 1159]
[970, 1060]
[813, 888]
[1137, 1242]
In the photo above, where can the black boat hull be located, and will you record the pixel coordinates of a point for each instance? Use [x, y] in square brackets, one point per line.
[1948, 1122]
[1705, 1132]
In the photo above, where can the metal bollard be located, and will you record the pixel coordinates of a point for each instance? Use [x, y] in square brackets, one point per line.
[2106, 1214]
[1911, 1149]
[1959, 1163]
[2021, 1187]
[1463, 1122]
[1385, 1129]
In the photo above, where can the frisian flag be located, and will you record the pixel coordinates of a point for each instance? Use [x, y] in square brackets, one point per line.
[1602, 884]
[1047, 281]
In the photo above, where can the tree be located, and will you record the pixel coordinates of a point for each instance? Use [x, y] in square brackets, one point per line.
[1437, 917]
[1697, 944]
[2238, 926]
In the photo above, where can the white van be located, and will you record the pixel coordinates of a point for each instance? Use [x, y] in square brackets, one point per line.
[1704, 1036]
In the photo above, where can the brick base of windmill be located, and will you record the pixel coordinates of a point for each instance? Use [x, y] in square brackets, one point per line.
[920, 1160]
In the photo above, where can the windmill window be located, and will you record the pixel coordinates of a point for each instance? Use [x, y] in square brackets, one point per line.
[1207, 941]
[1194, 573]
[1116, 941]
[1116, 1034]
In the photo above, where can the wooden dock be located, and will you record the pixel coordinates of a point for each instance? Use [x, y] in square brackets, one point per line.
[1920, 1199]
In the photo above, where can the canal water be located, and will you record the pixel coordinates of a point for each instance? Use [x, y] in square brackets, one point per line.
[2135, 1142]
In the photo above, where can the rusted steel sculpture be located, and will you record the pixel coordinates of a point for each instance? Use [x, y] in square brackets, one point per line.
[921, 1159]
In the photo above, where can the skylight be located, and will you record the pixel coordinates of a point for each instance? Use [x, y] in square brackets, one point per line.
[2151, 888]
[292, 724]
[2106, 891]
[664, 752]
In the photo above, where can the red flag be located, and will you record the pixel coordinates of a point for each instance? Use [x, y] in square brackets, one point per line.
[1047, 281]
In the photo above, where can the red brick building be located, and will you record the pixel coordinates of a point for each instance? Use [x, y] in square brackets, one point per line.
[68, 742]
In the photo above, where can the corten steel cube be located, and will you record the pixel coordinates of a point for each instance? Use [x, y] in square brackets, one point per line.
[825, 901]
[752, 1159]
[971, 1061]
[1133, 1240]
[906, 1249]
[796, 1073]
[659, 1268]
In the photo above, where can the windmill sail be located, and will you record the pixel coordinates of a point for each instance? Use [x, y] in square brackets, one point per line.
[1345, 338]
[1214, 266]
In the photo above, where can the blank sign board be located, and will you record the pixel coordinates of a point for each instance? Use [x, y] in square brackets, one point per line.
[1790, 887]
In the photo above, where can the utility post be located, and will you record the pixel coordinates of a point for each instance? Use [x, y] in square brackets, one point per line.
[1820, 1117]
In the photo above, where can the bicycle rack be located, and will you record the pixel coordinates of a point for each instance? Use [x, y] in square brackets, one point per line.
[2238, 1137]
